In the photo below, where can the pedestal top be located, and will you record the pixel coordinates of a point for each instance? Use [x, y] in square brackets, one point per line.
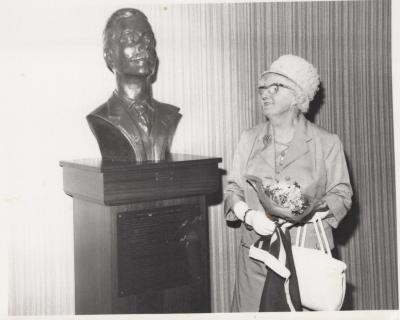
[116, 182]
[99, 165]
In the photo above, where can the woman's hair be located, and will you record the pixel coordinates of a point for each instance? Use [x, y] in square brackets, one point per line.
[302, 73]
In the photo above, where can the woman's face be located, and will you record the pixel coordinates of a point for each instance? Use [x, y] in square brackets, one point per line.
[277, 95]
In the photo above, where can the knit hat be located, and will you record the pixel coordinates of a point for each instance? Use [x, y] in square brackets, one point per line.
[301, 72]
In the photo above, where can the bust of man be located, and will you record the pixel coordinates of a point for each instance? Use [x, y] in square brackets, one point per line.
[131, 125]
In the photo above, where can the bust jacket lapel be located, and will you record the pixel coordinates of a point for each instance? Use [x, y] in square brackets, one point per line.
[159, 132]
[127, 124]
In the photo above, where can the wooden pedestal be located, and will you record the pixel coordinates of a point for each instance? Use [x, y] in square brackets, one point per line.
[141, 234]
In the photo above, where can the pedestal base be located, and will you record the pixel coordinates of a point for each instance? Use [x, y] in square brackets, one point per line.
[149, 257]
[141, 252]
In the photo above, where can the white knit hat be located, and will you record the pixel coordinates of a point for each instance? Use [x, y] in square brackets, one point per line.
[301, 72]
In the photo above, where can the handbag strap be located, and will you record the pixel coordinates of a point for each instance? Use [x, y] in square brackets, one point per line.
[324, 238]
[301, 231]
[297, 242]
[319, 231]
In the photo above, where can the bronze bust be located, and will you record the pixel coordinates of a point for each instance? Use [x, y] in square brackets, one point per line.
[131, 125]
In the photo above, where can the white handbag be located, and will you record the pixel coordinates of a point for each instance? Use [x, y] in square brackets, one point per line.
[322, 278]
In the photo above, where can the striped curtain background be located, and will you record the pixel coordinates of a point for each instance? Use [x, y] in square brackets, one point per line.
[225, 47]
[210, 59]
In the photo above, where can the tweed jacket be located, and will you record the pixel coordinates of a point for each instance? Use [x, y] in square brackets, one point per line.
[315, 159]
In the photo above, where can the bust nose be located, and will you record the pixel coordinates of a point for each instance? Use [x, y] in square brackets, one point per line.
[141, 44]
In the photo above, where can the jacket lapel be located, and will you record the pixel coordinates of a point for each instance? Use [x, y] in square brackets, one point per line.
[127, 123]
[159, 132]
[268, 155]
[263, 146]
[299, 144]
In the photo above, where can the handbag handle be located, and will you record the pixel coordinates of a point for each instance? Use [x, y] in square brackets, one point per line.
[303, 238]
[321, 236]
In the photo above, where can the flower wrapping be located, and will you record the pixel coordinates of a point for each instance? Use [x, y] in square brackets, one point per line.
[283, 200]
[287, 195]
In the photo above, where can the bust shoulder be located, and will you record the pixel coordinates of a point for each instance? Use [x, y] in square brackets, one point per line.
[111, 108]
[167, 112]
[165, 108]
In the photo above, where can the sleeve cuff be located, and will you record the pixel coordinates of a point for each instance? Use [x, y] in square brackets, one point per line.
[335, 204]
[229, 203]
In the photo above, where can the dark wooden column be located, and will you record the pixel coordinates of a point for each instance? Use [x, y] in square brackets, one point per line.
[141, 234]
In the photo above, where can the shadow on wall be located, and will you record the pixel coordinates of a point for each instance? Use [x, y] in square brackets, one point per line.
[343, 234]
[350, 223]
[316, 104]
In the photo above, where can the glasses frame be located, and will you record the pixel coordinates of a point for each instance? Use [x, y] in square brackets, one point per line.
[276, 87]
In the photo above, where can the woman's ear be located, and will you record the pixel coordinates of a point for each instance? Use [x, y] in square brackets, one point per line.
[300, 101]
[301, 98]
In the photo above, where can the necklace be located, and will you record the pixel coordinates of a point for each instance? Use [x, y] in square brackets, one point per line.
[279, 157]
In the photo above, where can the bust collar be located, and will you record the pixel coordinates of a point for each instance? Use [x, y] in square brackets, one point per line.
[132, 103]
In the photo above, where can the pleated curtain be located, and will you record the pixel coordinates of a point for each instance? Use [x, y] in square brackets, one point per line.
[224, 48]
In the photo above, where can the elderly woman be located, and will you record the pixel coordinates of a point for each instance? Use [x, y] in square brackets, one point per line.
[290, 148]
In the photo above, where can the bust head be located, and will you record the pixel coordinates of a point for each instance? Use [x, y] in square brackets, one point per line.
[129, 44]
[132, 125]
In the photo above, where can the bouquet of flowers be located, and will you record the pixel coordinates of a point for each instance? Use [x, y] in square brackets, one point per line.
[282, 199]
[287, 195]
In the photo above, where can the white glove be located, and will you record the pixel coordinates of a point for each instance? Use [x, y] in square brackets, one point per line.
[257, 219]
[260, 222]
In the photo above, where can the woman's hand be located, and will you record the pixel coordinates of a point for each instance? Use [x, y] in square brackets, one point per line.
[255, 219]
[321, 206]
[322, 211]
[260, 222]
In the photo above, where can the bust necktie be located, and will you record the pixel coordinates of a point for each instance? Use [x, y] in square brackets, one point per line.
[143, 118]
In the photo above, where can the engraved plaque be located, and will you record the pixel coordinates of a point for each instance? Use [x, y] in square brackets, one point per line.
[155, 248]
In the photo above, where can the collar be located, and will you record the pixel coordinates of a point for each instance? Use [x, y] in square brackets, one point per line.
[131, 103]
[299, 144]
[301, 132]
[297, 147]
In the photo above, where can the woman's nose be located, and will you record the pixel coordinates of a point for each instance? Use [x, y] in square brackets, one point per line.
[264, 94]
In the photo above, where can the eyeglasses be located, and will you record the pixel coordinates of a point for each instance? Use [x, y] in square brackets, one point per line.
[273, 89]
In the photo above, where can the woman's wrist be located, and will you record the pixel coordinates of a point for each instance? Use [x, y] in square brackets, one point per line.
[240, 208]
[245, 215]
[322, 206]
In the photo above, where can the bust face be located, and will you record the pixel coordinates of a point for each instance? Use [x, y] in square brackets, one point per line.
[133, 48]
